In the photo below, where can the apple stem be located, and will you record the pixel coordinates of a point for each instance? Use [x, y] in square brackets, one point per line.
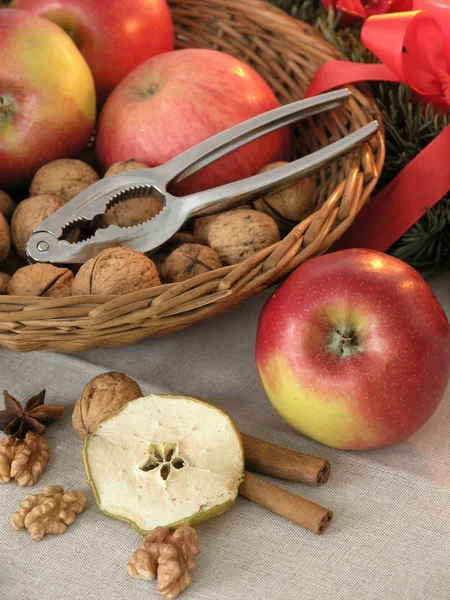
[344, 343]
[8, 106]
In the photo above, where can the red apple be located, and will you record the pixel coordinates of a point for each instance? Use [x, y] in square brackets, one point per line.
[177, 99]
[353, 350]
[47, 96]
[114, 36]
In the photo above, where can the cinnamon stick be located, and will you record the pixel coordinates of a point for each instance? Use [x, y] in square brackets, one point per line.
[263, 457]
[307, 514]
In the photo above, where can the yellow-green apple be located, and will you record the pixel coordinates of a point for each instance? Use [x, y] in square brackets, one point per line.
[114, 36]
[47, 96]
[353, 350]
[175, 100]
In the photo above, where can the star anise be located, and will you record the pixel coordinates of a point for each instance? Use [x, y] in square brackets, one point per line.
[34, 416]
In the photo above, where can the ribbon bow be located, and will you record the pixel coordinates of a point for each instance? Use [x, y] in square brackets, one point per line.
[411, 48]
[355, 10]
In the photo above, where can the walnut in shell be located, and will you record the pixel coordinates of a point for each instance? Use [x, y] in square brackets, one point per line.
[177, 240]
[41, 280]
[167, 556]
[238, 234]
[291, 204]
[115, 271]
[4, 280]
[63, 178]
[5, 238]
[49, 512]
[134, 211]
[7, 206]
[101, 398]
[30, 459]
[201, 224]
[190, 260]
[28, 215]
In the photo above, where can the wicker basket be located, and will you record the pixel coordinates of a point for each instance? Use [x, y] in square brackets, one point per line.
[286, 53]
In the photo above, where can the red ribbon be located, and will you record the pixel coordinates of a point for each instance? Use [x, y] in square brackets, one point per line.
[355, 10]
[411, 47]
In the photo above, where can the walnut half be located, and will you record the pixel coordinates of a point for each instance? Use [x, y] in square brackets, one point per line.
[50, 512]
[167, 556]
[23, 460]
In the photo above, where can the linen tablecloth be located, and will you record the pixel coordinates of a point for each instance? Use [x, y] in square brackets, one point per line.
[390, 537]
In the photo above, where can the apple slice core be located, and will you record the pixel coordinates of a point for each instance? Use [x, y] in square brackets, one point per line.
[164, 461]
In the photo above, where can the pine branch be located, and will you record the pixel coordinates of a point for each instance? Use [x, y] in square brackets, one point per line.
[409, 127]
[426, 246]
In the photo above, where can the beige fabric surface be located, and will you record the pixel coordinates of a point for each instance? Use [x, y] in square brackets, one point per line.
[390, 538]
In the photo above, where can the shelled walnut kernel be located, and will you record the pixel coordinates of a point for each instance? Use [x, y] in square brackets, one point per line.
[49, 512]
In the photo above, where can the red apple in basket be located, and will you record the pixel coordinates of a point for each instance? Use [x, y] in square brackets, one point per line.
[177, 99]
[47, 96]
[353, 350]
[114, 36]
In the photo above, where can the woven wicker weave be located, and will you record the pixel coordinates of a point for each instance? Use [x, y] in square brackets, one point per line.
[286, 53]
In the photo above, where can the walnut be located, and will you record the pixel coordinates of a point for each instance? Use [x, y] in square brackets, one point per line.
[4, 280]
[23, 460]
[41, 280]
[201, 227]
[190, 260]
[101, 398]
[124, 167]
[115, 271]
[7, 453]
[7, 206]
[5, 238]
[291, 204]
[64, 178]
[134, 211]
[177, 240]
[28, 215]
[169, 556]
[201, 224]
[30, 459]
[238, 234]
[49, 512]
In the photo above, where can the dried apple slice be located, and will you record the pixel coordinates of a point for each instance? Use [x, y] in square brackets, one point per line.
[164, 461]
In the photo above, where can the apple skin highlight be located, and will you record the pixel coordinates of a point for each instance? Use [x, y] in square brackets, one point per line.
[353, 350]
